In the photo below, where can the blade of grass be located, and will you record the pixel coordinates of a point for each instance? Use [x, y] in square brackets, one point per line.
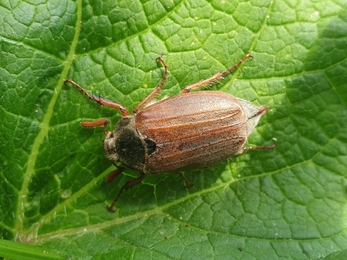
[15, 250]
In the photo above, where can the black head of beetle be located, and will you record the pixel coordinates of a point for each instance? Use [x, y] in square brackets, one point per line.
[183, 132]
[126, 146]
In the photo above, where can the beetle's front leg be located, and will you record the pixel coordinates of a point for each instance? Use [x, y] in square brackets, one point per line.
[112, 175]
[100, 100]
[126, 186]
[215, 77]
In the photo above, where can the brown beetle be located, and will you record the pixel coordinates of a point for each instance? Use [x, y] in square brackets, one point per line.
[183, 132]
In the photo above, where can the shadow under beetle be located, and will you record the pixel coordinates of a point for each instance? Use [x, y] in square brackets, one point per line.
[184, 132]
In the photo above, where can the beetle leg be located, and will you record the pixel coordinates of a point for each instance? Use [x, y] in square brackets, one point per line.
[156, 90]
[126, 186]
[96, 123]
[265, 147]
[188, 185]
[216, 77]
[100, 100]
[114, 174]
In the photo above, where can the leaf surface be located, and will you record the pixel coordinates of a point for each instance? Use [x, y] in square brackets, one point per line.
[289, 202]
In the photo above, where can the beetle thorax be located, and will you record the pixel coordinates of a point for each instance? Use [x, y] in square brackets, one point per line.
[124, 145]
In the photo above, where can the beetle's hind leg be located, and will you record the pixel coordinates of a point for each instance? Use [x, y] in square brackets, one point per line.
[126, 186]
[216, 77]
[188, 185]
[263, 147]
[156, 90]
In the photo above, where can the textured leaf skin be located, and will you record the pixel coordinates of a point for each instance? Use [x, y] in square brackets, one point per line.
[289, 202]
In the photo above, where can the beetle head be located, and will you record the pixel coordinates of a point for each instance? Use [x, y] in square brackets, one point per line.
[124, 145]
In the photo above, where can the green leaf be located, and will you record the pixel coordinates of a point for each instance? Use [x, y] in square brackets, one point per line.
[289, 202]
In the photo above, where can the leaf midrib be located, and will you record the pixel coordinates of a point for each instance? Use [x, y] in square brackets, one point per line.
[44, 128]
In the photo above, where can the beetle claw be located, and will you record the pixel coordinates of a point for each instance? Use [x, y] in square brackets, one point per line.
[111, 208]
